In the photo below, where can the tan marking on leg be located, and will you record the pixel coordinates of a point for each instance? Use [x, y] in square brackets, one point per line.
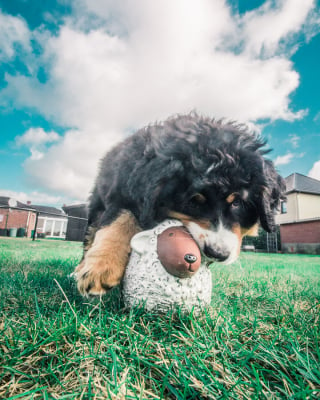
[89, 241]
[104, 262]
[90, 237]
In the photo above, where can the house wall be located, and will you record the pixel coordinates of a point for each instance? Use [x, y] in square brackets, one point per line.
[292, 213]
[76, 226]
[300, 206]
[17, 219]
[309, 206]
[301, 237]
[27, 219]
[76, 229]
[31, 224]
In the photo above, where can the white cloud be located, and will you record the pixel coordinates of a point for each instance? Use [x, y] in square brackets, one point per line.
[36, 140]
[36, 154]
[273, 22]
[316, 118]
[35, 197]
[294, 140]
[283, 160]
[13, 30]
[36, 137]
[70, 166]
[287, 158]
[172, 60]
[315, 171]
[137, 62]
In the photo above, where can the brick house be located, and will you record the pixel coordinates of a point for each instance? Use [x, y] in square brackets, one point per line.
[51, 223]
[14, 218]
[299, 216]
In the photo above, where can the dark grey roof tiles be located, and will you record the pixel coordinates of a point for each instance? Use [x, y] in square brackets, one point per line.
[47, 209]
[4, 201]
[301, 183]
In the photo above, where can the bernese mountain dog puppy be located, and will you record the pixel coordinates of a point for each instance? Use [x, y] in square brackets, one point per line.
[210, 175]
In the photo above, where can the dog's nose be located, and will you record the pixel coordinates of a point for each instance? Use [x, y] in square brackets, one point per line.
[216, 254]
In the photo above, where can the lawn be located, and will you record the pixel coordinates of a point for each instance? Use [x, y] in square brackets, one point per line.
[259, 340]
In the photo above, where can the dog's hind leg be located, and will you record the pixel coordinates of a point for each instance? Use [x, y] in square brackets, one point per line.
[106, 255]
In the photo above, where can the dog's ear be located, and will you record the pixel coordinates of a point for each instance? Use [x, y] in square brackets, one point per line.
[273, 192]
[160, 180]
[157, 199]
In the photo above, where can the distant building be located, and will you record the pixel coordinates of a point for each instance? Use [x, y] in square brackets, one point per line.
[19, 217]
[52, 222]
[77, 221]
[13, 219]
[299, 216]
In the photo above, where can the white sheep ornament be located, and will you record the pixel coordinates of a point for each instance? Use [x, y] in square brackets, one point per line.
[165, 271]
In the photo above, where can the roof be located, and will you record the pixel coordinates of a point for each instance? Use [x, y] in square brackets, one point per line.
[47, 210]
[76, 210]
[301, 183]
[5, 201]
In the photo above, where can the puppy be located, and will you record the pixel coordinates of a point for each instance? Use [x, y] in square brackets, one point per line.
[210, 175]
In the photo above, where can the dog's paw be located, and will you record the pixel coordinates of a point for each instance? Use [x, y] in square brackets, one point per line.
[105, 260]
[97, 274]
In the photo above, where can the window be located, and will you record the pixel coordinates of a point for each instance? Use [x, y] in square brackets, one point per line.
[57, 228]
[40, 224]
[48, 227]
[283, 207]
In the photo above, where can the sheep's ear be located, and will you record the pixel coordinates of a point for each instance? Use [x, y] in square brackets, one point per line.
[140, 241]
[272, 193]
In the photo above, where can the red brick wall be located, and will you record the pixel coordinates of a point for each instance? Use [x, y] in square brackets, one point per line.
[17, 219]
[32, 222]
[3, 217]
[301, 232]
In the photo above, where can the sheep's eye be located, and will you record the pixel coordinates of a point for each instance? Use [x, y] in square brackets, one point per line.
[198, 198]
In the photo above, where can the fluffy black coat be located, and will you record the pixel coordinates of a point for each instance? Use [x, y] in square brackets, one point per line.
[188, 164]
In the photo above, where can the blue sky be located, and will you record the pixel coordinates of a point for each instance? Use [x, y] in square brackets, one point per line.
[77, 76]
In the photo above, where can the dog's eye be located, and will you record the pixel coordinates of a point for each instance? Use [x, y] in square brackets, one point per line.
[198, 198]
[236, 203]
[234, 200]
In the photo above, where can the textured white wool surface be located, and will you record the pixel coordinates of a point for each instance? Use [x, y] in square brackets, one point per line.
[147, 282]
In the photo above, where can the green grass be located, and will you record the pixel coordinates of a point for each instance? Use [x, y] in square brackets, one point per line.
[259, 340]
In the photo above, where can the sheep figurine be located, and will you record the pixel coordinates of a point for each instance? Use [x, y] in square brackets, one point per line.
[165, 270]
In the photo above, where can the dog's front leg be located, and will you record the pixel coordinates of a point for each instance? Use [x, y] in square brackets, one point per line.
[107, 255]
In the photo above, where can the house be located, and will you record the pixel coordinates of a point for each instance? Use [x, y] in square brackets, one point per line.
[15, 215]
[299, 216]
[52, 222]
[77, 221]
[20, 219]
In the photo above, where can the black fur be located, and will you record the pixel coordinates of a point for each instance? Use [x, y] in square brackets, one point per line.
[164, 167]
